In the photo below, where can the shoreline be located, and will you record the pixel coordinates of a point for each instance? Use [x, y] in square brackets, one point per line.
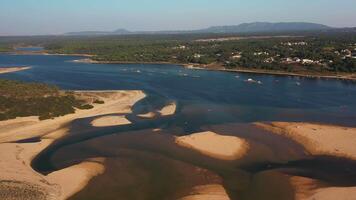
[342, 77]
[4, 70]
[16, 156]
[209, 145]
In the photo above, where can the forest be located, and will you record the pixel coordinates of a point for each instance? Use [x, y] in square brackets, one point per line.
[19, 99]
[314, 53]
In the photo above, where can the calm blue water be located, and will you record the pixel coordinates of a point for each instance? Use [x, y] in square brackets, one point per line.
[29, 48]
[204, 97]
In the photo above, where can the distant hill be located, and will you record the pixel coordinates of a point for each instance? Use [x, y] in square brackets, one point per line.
[93, 33]
[266, 27]
[256, 27]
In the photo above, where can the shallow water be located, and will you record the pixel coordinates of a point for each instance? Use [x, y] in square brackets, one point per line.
[204, 99]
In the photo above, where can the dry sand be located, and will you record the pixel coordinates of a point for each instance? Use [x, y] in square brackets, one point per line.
[319, 140]
[12, 69]
[207, 192]
[167, 110]
[214, 145]
[110, 121]
[15, 158]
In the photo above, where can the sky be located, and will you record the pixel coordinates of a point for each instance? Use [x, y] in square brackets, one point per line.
[40, 17]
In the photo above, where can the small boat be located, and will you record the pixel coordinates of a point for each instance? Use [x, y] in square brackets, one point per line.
[250, 80]
[298, 83]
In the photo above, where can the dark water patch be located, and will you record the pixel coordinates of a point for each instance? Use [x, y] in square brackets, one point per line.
[333, 170]
[29, 140]
[42, 162]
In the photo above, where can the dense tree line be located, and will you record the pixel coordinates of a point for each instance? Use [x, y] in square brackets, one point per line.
[184, 48]
[18, 99]
[317, 48]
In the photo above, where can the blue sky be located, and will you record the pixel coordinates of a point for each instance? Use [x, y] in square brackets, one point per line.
[31, 17]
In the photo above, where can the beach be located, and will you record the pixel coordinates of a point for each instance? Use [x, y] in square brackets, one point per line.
[194, 165]
[12, 69]
[16, 157]
[319, 140]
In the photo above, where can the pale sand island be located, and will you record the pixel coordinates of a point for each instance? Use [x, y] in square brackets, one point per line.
[167, 110]
[4, 70]
[20, 181]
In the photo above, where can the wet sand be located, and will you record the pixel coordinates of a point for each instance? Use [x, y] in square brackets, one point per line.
[16, 156]
[151, 164]
[320, 140]
[269, 161]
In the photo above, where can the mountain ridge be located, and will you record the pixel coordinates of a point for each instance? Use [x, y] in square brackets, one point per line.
[254, 27]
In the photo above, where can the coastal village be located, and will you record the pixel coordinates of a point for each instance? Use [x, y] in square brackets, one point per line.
[270, 56]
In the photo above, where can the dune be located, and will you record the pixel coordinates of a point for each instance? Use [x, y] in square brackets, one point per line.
[12, 69]
[110, 121]
[214, 145]
[15, 157]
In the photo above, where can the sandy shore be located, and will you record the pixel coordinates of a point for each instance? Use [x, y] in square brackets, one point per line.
[319, 140]
[15, 157]
[167, 110]
[214, 145]
[219, 67]
[12, 69]
[189, 164]
[110, 121]
[207, 192]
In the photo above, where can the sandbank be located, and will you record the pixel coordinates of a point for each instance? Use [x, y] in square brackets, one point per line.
[214, 145]
[12, 69]
[16, 157]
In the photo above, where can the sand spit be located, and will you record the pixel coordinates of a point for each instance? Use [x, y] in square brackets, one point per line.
[319, 140]
[214, 145]
[15, 157]
[12, 69]
[83, 172]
